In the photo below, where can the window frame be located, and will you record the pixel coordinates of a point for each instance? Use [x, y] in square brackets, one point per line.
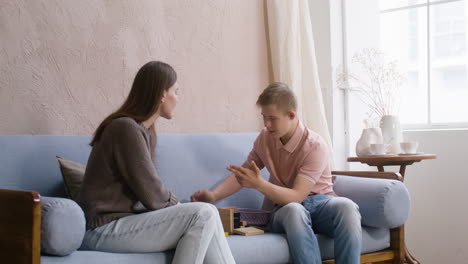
[429, 125]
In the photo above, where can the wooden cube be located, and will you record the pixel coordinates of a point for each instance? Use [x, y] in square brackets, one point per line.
[227, 218]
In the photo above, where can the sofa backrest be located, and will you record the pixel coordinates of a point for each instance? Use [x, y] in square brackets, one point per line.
[185, 162]
[28, 162]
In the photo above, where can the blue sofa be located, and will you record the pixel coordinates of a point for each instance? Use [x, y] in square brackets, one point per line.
[186, 162]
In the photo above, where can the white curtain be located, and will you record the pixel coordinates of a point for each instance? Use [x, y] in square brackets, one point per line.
[294, 63]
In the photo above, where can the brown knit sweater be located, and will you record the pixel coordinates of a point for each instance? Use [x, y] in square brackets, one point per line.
[120, 177]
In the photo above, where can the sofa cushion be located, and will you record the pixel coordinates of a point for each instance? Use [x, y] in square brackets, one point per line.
[72, 173]
[267, 248]
[62, 227]
[382, 202]
[99, 257]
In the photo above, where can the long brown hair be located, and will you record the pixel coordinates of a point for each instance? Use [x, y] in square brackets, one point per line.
[144, 98]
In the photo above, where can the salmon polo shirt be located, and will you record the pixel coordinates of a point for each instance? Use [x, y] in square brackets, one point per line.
[304, 155]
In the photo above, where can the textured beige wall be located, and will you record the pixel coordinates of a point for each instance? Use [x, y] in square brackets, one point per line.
[65, 64]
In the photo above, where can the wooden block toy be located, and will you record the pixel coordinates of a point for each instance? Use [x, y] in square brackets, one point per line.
[227, 218]
[248, 231]
[237, 221]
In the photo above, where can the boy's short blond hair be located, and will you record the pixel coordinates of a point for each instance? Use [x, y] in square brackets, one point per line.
[279, 94]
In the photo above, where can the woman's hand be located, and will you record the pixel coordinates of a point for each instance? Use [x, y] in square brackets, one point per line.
[206, 196]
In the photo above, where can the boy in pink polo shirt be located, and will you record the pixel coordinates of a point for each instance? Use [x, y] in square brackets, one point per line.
[300, 188]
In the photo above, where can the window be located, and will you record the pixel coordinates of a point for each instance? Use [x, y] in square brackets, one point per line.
[429, 40]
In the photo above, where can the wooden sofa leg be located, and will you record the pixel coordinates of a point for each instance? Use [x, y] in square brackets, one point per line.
[20, 227]
[397, 244]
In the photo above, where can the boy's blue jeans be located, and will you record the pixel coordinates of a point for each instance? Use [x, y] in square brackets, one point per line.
[336, 217]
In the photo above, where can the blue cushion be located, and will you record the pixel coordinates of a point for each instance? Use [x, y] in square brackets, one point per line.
[267, 248]
[382, 202]
[98, 257]
[373, 239]
[62, 227]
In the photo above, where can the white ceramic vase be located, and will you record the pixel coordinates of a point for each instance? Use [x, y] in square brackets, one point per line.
[369, 136]
[391, 133]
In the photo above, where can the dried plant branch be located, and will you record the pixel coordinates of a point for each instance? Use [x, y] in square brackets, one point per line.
[378, 84]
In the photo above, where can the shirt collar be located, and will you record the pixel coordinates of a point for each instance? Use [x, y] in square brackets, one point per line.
[294, 140]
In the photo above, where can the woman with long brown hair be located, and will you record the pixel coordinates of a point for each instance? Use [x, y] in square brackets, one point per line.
[127, 207]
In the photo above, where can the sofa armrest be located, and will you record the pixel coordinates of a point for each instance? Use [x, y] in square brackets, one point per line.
[20, 226]
[382, 202]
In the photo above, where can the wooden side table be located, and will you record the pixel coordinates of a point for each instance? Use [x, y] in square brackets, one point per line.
[401, 160]
[380, 162]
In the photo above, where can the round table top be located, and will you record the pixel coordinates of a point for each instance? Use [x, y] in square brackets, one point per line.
[391, 157]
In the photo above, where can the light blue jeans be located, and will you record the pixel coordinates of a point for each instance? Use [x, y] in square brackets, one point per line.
[336, 217]
[193, 229]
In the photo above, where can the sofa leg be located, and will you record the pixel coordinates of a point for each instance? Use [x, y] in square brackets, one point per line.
[397, 244]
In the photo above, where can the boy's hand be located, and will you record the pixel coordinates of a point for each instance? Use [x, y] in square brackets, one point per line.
[248, 178]
[206, 196]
